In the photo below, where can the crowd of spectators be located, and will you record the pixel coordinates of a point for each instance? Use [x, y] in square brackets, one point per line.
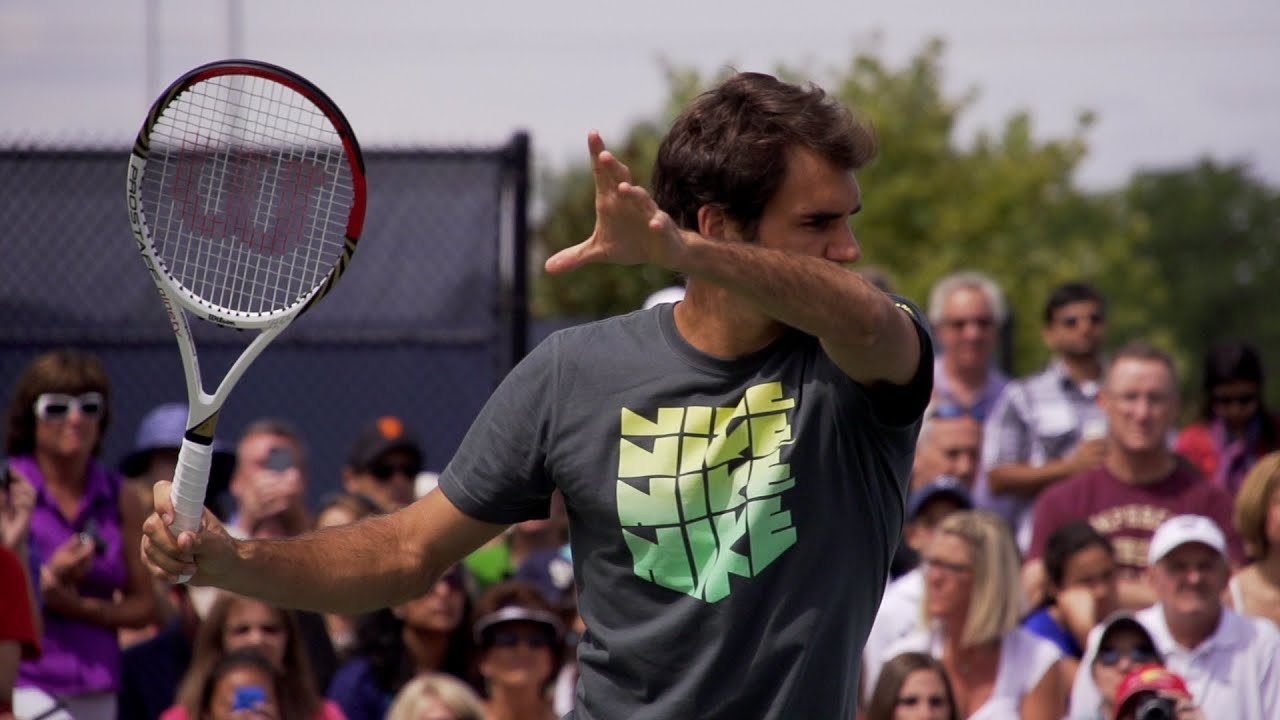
[1103, 554]
[1074, 546]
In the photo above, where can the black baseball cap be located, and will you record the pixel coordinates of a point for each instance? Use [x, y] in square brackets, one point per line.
[380, 437]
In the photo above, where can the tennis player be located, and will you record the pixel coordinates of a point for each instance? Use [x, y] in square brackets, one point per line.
[734, 465]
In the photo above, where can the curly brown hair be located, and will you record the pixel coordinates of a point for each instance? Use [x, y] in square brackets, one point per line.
[730, 147]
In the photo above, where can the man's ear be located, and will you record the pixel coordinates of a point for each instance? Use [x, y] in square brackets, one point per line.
[714, 223]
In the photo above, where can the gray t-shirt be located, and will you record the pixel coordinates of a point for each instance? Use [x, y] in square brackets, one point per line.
[731, 521]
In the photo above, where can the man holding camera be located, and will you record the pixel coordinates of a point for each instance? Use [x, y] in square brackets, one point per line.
[1230, 663]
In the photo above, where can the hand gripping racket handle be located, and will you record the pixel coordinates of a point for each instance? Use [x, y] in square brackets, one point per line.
[190, 481]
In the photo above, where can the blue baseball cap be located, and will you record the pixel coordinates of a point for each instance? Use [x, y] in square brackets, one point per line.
[944, 486]
[162, 428]
[551, 572]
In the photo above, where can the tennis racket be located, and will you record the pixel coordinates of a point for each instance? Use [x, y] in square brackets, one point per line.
[246, 195]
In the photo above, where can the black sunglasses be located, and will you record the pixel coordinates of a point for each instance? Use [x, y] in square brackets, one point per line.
[384, 471]
[1071, 321]
[1241, 400]
[1140, 655]
[511, 638]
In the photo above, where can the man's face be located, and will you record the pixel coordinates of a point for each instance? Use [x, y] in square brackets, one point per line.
[951, 447]
[1141, 403]
[388, 481]
[810, 212]
[259, 458]
[967, 329]
[1076, 330]
[1189, 581]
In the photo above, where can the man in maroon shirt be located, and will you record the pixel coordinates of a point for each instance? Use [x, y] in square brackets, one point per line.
[1141, 482]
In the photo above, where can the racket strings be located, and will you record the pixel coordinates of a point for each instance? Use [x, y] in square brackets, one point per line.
[249, 190]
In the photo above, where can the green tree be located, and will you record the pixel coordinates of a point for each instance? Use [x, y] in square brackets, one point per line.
[1004, 203]
[1215, 243]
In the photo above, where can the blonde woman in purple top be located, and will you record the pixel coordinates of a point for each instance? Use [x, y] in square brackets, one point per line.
[84, 535]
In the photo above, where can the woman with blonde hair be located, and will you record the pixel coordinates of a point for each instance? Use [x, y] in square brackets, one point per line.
[972, 609]
[1255, 588]
[235, 623]
[436, 696]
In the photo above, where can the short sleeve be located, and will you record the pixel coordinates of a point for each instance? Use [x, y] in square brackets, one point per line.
[901, 405]
[499, 473]
[1048, 514]
[1038, 656]
[1006, 436]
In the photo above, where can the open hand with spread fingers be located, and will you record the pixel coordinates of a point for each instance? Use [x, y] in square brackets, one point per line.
[203, 556]
[630, 228]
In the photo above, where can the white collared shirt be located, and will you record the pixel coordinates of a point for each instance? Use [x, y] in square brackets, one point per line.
[1234, 673]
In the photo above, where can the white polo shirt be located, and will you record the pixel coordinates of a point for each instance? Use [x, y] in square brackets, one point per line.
[1235, 673]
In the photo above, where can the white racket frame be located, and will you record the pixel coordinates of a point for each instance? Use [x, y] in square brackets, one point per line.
[195, 458]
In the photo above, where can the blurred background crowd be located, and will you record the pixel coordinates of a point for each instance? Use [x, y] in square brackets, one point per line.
[1093, 517]
[1068, 533]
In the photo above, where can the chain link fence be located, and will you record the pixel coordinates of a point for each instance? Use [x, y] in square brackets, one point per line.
[428, 318]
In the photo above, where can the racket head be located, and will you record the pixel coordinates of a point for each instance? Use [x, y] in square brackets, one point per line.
[246, 193]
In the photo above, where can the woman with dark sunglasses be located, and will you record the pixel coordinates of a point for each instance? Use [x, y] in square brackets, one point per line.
[1235, 427]
[84, 535]
[1119, 646]
[520, 641]
[1123, 644]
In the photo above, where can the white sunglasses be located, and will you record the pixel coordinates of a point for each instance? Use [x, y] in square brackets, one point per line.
[57, 406]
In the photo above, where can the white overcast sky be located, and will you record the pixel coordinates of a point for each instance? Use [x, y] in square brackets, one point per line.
[1170, 80]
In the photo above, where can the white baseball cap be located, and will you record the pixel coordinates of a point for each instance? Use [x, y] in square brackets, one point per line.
[1182, 529]
[673, 294]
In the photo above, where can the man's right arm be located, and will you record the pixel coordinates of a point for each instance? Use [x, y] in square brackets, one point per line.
[1026, 480]
[378, 562]
[1006, 441]
[1007, 450]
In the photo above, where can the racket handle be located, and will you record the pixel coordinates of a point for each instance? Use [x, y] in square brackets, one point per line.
[190, 481]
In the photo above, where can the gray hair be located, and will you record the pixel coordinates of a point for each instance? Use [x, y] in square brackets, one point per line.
[964, 280]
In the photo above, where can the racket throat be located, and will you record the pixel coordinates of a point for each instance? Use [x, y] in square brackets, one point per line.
[202, 433]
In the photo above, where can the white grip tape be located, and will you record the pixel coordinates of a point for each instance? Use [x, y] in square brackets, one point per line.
[190, 481]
